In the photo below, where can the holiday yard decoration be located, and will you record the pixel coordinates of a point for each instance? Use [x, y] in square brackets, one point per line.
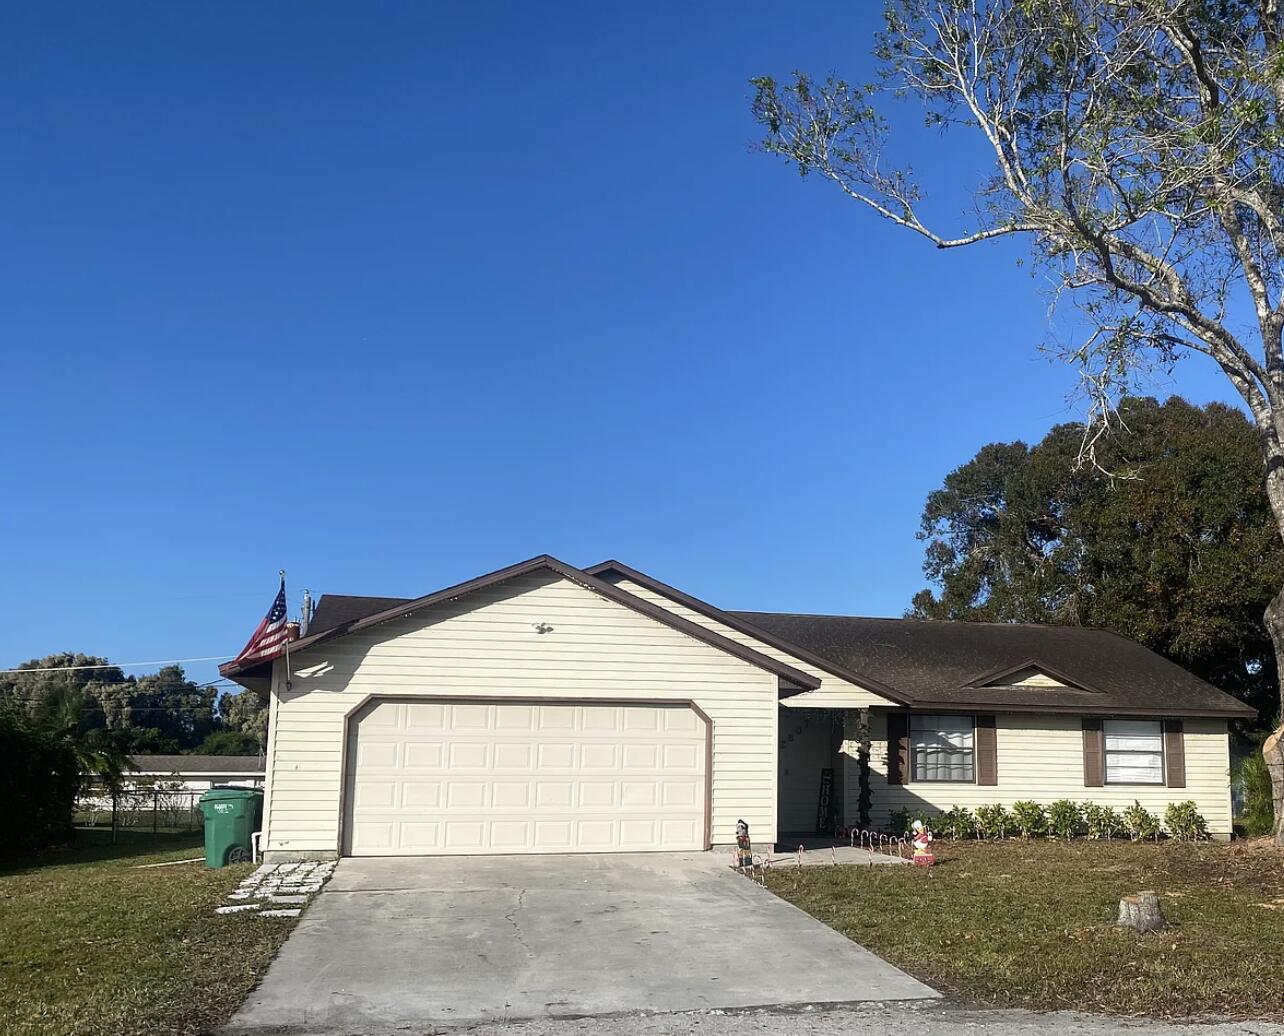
[922, 843]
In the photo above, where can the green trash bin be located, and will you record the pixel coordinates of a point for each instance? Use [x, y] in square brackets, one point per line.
[232, 815]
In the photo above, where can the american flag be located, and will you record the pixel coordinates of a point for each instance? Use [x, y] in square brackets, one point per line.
[269, 639]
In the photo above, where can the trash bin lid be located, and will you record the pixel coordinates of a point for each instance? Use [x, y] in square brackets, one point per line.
[224, 792]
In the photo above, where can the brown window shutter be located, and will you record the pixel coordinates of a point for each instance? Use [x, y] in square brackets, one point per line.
[1174, 754]
[1094, 754]
[987, 751]
[897, 748]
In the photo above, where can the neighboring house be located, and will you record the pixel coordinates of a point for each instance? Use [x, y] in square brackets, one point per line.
[548, 709]
[196, 772]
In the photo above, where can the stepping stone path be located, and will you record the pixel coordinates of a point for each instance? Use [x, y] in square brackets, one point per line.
[275, 886]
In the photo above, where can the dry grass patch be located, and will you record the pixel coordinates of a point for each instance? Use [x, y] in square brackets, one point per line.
[1031, 924]
[91, 945]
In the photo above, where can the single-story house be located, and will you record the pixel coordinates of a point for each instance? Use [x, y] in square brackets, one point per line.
[548, 709]
[196, 772]
[177, 773]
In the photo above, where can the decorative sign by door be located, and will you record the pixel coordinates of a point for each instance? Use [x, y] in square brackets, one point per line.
[825, 807]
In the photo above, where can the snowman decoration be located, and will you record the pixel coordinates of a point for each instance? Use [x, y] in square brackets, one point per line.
[922, 843]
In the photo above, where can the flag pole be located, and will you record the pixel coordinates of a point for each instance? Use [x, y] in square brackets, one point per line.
[287, 634]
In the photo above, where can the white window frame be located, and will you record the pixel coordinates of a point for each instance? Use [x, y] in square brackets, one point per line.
[922, 718]
[1107, 752]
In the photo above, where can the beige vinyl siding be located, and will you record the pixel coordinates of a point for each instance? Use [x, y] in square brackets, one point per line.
[484, 645]
[833, 692]
[1040, 757]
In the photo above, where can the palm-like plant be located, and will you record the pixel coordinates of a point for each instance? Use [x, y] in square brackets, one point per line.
[61, 716]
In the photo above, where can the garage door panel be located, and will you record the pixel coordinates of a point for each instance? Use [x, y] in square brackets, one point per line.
[555, 795]
[465, 834]
[555, 717]
[514, 717]
[423, 716]
[510, 835]
[553, 835]
[470, 795]
[376, 794]
[641, 757]
[378, 753]
[642, 720]
[464, 755]
[682, 757]
[597, 794]
[511, 794]
[599, 757]
[422, 755]
[514, 756]
[637, 833]
[638, 793]
[420, 794]
[418, 836]
[679, 793]
[470, 777]
[468, 717]
[682, 721]
[599, 717]
[553, 756]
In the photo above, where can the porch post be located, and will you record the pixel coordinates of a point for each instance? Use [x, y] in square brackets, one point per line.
[863, 800]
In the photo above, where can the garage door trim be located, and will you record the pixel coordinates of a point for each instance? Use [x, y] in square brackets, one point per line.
[493, 699]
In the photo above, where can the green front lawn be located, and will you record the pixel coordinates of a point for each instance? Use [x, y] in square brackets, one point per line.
[91, 944]
[1031, 924]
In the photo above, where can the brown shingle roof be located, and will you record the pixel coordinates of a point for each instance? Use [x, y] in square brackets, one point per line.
[197, 763]
[937, 663]
[336, 609]
[933, 663]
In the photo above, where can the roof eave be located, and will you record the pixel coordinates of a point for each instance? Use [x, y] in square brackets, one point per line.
[1237, 711]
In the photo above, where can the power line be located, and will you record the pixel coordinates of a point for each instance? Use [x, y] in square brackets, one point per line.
[119, 665]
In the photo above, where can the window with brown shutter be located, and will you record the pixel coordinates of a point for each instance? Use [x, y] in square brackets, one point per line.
[1174, 753]
[897, 747]
[1134, 751]
[987, 751]
[1094, 754]
[942, 749]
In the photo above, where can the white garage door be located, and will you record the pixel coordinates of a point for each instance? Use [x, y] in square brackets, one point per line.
[458, 778]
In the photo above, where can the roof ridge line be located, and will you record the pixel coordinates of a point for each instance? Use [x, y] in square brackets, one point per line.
[937, 622]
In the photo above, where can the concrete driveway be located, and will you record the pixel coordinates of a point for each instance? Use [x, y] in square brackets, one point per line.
[396, 944]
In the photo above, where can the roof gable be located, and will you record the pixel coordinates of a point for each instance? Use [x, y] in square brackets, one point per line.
[1032, 674]
[793, 680]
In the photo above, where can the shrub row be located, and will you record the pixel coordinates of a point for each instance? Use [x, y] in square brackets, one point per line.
[1061, 819]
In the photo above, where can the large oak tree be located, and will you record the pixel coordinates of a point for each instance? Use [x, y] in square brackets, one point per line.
[1137, 147]
[1182, 556]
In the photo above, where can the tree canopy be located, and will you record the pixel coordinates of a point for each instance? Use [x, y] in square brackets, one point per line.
[1181, 555]
[104, 711]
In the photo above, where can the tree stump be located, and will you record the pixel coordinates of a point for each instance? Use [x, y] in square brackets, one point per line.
[1141, 912]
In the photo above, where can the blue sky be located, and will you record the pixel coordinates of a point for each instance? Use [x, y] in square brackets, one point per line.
[393, 294]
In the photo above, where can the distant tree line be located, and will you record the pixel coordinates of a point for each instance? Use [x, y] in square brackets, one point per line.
[69, 719]
[161, 713]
